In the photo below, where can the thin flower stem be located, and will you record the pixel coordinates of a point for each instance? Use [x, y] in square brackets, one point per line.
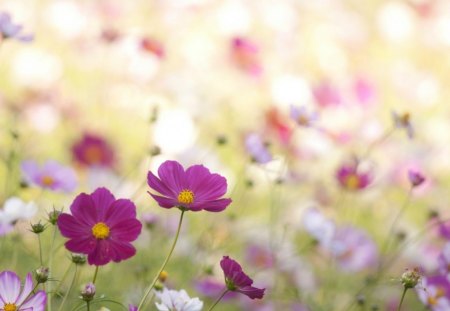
[218, 299]
[70, 288]
[88, 305]
[95, 275]
[50, 264]
[152, 285]
[40, 250]
[401, 300]
[63, 278]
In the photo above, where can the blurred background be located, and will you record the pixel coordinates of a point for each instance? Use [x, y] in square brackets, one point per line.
[276, 95]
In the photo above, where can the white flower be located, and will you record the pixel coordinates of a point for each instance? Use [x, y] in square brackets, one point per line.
[317, 225]
[13, 210]
[172, 300]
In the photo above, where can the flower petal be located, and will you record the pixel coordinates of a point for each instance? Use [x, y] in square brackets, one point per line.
[27, 287]
[36, 302]
[252, 292]
[120, 210]
[102, 199]
[9, 286]
[84, 210]
[102, 253]
[70, 227]
[211, 206]
[164, 202]
[84, 245]
[205, 185]
[173, 176]
[127, 230]
[156, 184]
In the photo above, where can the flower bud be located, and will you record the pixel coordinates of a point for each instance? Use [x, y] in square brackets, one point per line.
[41, 274]
[88, 293]
[79, 259]
[38, 228]
[410, 278]
[53, 216]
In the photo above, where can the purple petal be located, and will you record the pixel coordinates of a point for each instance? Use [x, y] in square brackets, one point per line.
[84, 245]
[27, 287]
[101, 254]
[206, 186]
[173, 176]
[126, 230]
[30, 170]
[70, 227]
[102, 199]
[84, 210]
[252, 292]
[9, 286]
[120, 210]
[122, 250]
[156, 184]
[211, 206]
[164, 202]
[36, 302]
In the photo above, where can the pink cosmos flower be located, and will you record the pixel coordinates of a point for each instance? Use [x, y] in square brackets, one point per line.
[327, 95]
[236, 280]
[352, 178]
[51, 175]
[211, 287]
[93, 150]
[101, 227]
[12, 299]
[245, 55]
[435, 293]
[415, 178]
[153, 46]
[194, 189]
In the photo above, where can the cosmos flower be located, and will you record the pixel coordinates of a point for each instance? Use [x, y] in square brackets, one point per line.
[51, 175]
[212, 288]
[13, 210]
[435, 292]
[259, 256]
[354, 249]
[11, 297]
[10, 30]
[172, 300]
[326, 94]
[257, 148]
[364, 91]
[93, 150]
[415, 178]
[195, 189]
[444, 260]
[153, 46]
[351, 178]
[101, 227]
[245, 55]
[237, 281]
[318, 226]
[303, 117]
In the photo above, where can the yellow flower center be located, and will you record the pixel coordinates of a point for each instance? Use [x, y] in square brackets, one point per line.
[47, 180]
[93, 154]
[100, 231]
[186, 196]
[10, 307]
[352, 182]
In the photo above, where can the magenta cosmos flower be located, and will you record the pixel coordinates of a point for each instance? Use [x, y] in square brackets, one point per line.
[101, 227]
[415, 178]
[195, 189]
[93, 150]
[237, 281]
[350, 177]
[12, 299]
[51, 175]
[245, 55]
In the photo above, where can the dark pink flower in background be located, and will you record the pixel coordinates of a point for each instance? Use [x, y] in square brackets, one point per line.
[193, 189]
[101, 227]
[51, 175]
[12, 298]
[236, 280]
[153, 46]
[245, 55]
[10, 30]
[435, 292]
[326, 94]
[93, 150]
[259, 256]
[352, 178]
[415, 178]
[212, 288]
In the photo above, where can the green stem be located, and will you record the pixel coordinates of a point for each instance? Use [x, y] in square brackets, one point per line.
[88, 305]
[152, 285]
[218, 299]
[40, 250]
[95, 275]
[50, 264]
[401, 300]
[70, 288]
[62, 279]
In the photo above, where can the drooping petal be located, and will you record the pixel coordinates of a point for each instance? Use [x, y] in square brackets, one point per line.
[9, 286]
[164, 202]
[252, 292]
[127, 230]
[173, 176]
[37, 302]
[211, 206]
[156, 184]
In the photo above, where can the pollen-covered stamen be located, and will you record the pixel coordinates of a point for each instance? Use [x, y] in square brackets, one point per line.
[47, 180]
[352, 182]
[100, 231]
[186, 196]
[10, 307]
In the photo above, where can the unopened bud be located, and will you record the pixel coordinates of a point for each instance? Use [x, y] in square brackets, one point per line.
[410, 278]
[88, 293]
[163, 276]
[53, 216]
[41, 274]
[79, 259]
[37, 228]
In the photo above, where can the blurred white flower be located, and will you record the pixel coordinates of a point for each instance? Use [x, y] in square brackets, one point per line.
[317, 225]
[172, 300]
[13, 210]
